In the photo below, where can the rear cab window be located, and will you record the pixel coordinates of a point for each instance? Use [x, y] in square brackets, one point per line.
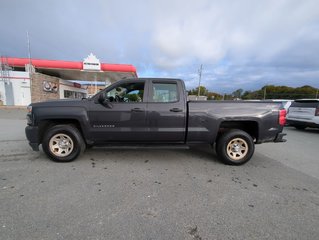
[164, 92]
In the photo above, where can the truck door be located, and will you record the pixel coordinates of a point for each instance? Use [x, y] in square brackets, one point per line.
[122, 117]
[166, 112]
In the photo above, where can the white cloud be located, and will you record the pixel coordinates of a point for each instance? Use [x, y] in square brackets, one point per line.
[209, 31]
[234, 40]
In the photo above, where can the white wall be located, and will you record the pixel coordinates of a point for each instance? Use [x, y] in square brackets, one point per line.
[19, 84]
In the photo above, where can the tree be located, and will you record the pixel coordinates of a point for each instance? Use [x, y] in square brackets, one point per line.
[203, 91]
[214, 96]
[281, 92]
[238, 93]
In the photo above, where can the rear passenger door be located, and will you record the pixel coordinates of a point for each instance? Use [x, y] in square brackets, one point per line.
[166, 112]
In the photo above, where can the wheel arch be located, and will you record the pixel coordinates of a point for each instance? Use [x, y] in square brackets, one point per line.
[251, 127]
[44, 125]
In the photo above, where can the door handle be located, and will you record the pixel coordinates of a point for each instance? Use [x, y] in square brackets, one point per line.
[176, 110]
[137, 110]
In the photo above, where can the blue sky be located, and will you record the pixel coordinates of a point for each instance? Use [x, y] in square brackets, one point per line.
[241, 44]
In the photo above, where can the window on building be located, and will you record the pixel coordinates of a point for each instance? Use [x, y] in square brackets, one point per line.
[73, 94]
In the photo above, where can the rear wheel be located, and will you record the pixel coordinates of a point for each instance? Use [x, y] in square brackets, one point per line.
[235, 147]
[63, 143]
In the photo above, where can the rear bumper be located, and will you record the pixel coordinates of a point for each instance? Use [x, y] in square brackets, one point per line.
[32, 135]
[280, 137]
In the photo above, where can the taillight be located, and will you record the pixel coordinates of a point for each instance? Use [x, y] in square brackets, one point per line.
[282, 117]
[317, 111]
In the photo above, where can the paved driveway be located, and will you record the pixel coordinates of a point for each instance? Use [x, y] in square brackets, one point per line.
[157, 194]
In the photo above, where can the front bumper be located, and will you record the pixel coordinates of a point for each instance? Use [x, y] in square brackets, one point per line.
[32, 134]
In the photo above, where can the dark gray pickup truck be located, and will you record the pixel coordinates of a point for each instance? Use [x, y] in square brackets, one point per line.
[152, 112]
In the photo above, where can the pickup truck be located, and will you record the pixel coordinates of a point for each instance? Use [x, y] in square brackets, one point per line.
[152, 112]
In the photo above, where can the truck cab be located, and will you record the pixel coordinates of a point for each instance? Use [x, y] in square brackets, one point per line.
[139, 111]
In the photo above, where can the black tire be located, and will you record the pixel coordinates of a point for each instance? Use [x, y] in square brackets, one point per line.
[63, 143]
[235, 147]
[300, 127]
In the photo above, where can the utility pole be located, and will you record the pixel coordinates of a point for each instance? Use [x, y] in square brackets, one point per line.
[317, 93]
[200, 77]
[30, 63]
[29, 51]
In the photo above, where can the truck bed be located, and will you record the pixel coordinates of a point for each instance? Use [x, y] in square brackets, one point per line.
[206, 117]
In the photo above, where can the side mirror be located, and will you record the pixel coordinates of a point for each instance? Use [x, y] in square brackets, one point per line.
[101, 98]
[104, 101]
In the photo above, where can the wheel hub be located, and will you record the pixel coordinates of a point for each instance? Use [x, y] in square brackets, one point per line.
[61, 145]
[237, 149]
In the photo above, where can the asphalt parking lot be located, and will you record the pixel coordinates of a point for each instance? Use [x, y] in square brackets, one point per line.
[158, 194]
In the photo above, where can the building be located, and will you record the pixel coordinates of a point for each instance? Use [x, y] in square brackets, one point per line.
[197, 98]
[24, 80]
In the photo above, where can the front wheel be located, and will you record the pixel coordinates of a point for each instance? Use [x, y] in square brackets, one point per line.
[63, 143]
[235, 147]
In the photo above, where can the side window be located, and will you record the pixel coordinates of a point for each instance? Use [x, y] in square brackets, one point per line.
[165, 92]
[126, 92]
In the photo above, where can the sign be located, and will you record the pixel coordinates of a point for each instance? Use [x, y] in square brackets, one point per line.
[50, 87]
[91, 63]
[77, 85]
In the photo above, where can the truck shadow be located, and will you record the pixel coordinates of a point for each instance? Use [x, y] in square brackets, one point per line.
[309, 130]
[204, 153]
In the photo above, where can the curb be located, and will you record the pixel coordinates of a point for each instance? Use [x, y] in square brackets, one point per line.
[13, 107]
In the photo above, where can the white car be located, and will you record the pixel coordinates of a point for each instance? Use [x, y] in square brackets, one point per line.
[285, 103]
[304, 113]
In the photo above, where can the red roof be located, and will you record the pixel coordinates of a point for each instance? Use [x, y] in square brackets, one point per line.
[56, 64]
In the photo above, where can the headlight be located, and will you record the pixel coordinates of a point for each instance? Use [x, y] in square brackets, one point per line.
[29, 108]
[29, 115]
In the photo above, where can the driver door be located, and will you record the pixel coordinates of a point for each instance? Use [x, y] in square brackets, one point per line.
[123, 117]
